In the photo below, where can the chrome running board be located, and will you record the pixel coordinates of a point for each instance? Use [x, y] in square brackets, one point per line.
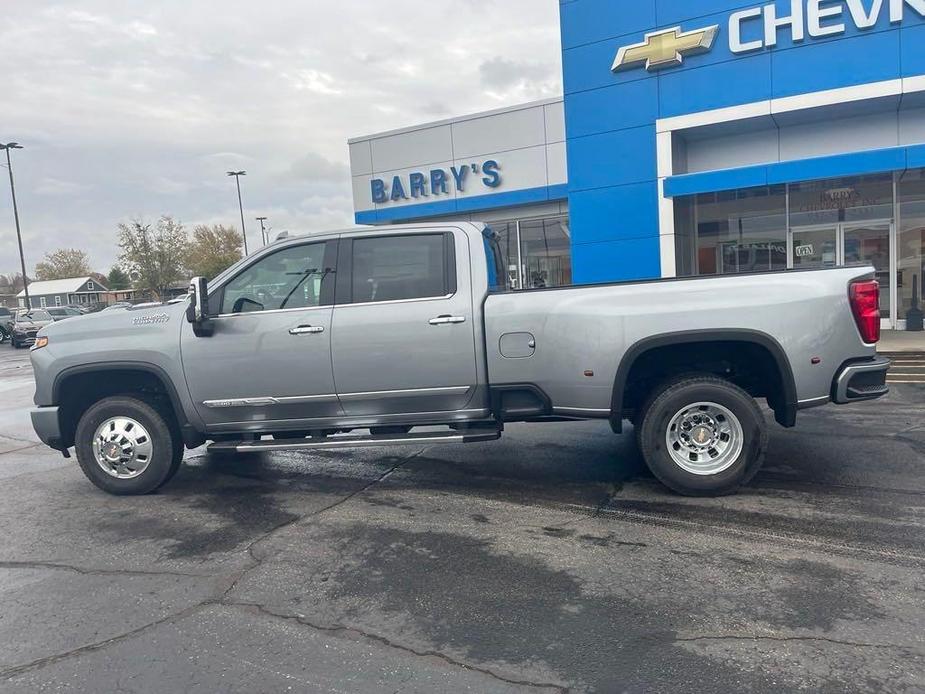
[356, 441]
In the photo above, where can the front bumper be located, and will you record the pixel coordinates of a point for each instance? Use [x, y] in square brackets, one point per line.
[863, 380]
[47, 424]
[27, 338]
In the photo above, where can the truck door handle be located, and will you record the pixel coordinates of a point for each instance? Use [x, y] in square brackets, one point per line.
[307, 330]
[447, 320]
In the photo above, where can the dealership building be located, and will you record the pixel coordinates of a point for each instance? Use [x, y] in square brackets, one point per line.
[693, 138]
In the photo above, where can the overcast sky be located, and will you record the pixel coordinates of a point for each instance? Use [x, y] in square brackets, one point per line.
[137, 109]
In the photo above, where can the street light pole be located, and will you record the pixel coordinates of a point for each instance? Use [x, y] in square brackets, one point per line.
[237, 177]
[22, 258]
[263, 230]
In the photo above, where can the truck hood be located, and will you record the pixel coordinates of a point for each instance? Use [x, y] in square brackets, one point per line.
[121, 326]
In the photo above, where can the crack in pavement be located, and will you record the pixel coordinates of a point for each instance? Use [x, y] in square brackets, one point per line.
[218, 598]
[256, 561]
[795, 485]
[16, 670]
[58, 467]
[24, 448]
[785, 639]
[94, 572]
[340, 629]
[384, 640]
[656, 519]
[607, 500]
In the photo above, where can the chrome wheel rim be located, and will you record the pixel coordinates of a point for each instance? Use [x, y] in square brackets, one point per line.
[122, 448]
[704, 438]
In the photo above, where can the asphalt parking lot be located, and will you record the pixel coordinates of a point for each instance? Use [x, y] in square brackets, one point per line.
[547, 562]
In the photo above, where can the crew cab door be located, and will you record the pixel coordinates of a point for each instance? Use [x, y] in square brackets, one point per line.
[404, 338]
[268, 362]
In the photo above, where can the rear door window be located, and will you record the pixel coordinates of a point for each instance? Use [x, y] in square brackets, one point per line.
[397, 268]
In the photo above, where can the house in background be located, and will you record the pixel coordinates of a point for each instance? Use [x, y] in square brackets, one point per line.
[77, 291]
[115, 296]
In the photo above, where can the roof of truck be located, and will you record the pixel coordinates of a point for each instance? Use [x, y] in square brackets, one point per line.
[289, 236]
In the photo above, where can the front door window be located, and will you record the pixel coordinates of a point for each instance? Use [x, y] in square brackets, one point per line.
[289, 279]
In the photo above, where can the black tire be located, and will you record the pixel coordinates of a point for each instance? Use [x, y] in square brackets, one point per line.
[15, 344]
[4, 336]
[167, 446]
[671, 399]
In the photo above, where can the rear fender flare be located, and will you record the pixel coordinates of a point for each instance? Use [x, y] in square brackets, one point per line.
[786, 417]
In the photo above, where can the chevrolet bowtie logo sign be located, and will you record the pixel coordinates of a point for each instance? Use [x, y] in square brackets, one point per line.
[665, 48]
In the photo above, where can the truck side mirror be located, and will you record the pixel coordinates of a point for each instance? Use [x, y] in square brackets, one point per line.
[198, 309]
[197, 312]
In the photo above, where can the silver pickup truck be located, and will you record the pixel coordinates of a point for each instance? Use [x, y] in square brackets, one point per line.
[410, 335]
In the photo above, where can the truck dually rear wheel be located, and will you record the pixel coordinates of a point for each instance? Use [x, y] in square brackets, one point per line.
[703, 436]
[127, 446]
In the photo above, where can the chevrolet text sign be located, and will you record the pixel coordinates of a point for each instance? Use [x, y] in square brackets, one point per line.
[761, 27]
[758, 27]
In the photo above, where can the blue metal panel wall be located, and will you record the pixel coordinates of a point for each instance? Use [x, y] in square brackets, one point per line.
[610, 116]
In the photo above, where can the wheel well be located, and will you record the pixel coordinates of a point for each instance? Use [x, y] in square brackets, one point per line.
[77, 392]
[750, 365]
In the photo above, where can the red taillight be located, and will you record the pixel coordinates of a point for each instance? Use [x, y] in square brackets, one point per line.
[865, 305]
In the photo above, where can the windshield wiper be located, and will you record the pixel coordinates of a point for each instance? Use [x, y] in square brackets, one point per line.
[304, 275]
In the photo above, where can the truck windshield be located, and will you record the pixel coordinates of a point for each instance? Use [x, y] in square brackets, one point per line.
[494, 261]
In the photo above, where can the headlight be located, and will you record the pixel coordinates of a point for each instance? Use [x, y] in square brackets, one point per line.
[40, 342]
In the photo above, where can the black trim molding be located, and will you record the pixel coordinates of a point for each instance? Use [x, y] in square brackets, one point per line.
[144, 367]
[787, 412]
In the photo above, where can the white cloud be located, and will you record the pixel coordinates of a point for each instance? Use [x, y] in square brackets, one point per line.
[313, 81]
[139, 109]
[56, 186]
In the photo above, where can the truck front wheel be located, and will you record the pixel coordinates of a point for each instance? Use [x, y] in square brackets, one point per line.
[127, 446]
[703, 436]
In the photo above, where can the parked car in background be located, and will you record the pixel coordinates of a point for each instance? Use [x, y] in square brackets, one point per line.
[27, 324]
[6, 324]
[62, 312]
[78, 307]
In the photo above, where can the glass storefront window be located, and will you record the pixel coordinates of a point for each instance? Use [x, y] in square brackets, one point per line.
[814, 224]
[854, 199]
[732, 231]
[537, 252]
[507, 239]
[546, 253]
[911, 240]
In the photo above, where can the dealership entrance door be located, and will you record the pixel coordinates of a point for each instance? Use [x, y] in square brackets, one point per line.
[851, 243]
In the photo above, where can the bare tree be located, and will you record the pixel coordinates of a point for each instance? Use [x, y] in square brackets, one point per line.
[154, 254]
[213, 249]
[12, 283]
[63, 263]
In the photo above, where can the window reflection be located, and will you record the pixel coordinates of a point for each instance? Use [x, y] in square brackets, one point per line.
[911, 252]
[852, 199]
[537, 252]
[732, 231]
